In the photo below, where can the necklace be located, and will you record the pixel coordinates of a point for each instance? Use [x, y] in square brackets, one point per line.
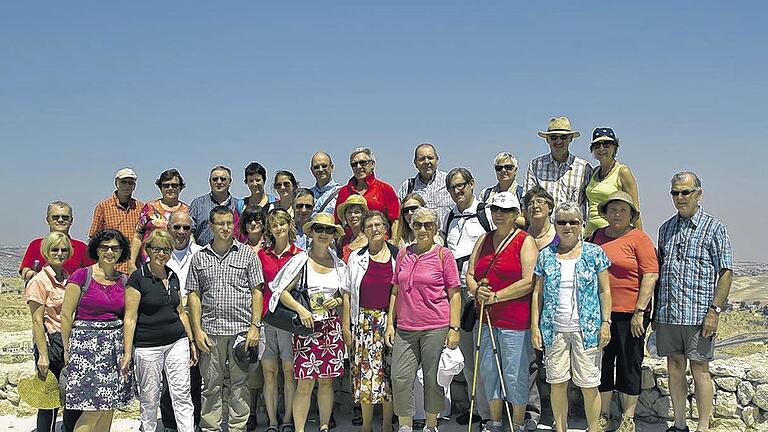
[600, 175]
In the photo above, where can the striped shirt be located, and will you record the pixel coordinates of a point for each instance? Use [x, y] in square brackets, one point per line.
[225, 285]
[435, 194]
[566, 181]
[200, 211]
[692, 252]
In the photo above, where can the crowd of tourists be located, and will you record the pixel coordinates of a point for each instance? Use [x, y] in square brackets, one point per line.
[547, 278]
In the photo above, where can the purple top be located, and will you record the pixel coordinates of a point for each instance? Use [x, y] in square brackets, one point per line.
[100, 302]
[376, 286]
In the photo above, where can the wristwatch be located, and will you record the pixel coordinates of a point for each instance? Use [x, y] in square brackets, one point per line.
[456, 328]
[608, 321]
[716, 308]
[640, 311]
[258, 324]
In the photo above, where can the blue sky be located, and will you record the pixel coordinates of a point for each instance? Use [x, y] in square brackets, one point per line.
[92, 87]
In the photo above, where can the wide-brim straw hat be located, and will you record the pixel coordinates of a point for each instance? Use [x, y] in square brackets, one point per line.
[353, 199]
[41, 394]
[559, 126]
[619, 196]
[325, 219]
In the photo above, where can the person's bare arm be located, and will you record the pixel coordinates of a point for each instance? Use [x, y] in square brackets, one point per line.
[528, 255]
[454, 299]
[257, 307]
[132, 300]
[389, 333]
[472, 284]
[38, 336]
[184, 317]
[536, 305]
[629, 185]
[647, 284]
[604, 284]
[135, 250]
[722, 289]
[204, 343]
[71, 299]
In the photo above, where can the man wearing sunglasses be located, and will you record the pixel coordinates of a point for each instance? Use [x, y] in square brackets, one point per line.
[696, 262]
[326, 188]
[180, 227]
[220, 180]
[59, 218]
[303, 205]
[562, 174]
[379, 194]
[428, 182]
[119, 211]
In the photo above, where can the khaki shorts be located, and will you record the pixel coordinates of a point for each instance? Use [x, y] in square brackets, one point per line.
[567, 359]
[684, 340]
[278, 344]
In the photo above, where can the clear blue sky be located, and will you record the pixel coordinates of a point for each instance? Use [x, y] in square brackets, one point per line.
[90, 87]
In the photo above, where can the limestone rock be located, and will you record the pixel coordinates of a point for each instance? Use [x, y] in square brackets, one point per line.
[663, 384]
[3, 379]
[13, 396]
[750, 415]
[647, 398]
[726, 368]
[726, 425]
[663, 407]
[726, 405]
[14, 377]
[660, 370]
[694, 409]
[745, 391]
[727, 383]
[758, 374]
[647, 379]
[760, 397]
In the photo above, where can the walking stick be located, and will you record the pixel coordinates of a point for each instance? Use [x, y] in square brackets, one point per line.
[474, 373]
[497, 356]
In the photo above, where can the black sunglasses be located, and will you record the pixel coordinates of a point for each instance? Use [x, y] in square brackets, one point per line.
[495, 209]
[685, 192]
[319, 166]
[571, 222]
[508, 167]
[182, 227]
[323, 229]
[361, 163]
[406, 210]
[304, 206]
[220, 179]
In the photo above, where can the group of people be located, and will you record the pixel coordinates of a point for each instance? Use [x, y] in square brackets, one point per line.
[180, 301]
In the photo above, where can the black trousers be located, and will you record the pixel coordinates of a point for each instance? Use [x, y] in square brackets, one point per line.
[166, 408]
[46, 419]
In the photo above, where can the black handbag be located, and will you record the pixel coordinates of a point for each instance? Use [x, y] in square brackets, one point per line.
[288, 319]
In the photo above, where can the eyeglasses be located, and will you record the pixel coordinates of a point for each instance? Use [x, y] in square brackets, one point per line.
[156, 249]
[495, 209]
[684, 192]
[61, 217]
[115, 248]
[378, 226]
[559, 137]
[570, 222]
[323, 229]
[361, 163]
[220, 179]
[320, 166]
[603, 144]
[170, 185]
[507, 167]
[182, 227]
[539, 202]
[59, 250]
[458, 186]
[283, 185]
[426, 225]
[406, 210]
[304, 206]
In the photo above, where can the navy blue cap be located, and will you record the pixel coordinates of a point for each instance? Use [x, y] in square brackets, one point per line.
[603, 134]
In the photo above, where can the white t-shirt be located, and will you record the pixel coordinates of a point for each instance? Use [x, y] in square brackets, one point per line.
[567, 315]
[463, 233]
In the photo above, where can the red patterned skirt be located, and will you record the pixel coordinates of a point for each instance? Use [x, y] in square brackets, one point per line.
[320, 354]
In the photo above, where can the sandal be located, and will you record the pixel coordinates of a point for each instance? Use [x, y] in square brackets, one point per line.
[286, 427]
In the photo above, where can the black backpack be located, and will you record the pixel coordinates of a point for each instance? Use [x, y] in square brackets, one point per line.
[479, 214]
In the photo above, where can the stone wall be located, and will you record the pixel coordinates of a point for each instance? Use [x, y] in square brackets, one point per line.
[741, 393]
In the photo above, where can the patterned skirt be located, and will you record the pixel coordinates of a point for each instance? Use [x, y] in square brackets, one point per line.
[95, 381]
[371, 361]
[320, 354]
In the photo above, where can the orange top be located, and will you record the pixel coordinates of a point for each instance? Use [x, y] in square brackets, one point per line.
[45, 290]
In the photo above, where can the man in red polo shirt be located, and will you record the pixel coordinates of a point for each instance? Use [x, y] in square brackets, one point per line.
[59, 218]
[378, 194]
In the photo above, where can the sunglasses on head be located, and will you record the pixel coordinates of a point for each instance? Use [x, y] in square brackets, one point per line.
[684, 192]
[323, 229]
[495, 208]
[570, 222]
[182, 227]
[507, 167]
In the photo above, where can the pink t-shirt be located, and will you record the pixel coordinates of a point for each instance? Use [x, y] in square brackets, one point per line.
[45, 290]
[100, 302]
[422, 299]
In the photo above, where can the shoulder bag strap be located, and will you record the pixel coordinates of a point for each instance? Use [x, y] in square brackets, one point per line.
[498, 251]
[328, 200]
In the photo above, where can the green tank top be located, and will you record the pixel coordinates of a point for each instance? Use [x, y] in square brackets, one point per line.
[597, 192]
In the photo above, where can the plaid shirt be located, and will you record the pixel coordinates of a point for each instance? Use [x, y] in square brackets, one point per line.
[200, 210]
[434, 193]
[110, 214]
[225, 285]
[691, 254]
[565, 181]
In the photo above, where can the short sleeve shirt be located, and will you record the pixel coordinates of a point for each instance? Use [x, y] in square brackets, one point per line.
[422, 299]
[158, 321]
[632, 255]
[271, 263]
[79, 258]
[100, 302]
[45, 290]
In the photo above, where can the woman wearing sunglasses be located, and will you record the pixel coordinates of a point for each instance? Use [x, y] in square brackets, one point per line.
[284, 184]
[320, 355]
[505, 165]
[155, 213]
[610, 176]
[499, 275]
[92, 334]
[158, 336]
[251, 227]
[351, 212]
[426, 305]
[571, 315]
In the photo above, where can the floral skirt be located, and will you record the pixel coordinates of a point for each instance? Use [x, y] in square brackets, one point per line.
[95, 381]
[371, 361]
[320, 354]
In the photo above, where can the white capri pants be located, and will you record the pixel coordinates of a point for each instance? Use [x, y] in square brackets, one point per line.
[148, 365]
